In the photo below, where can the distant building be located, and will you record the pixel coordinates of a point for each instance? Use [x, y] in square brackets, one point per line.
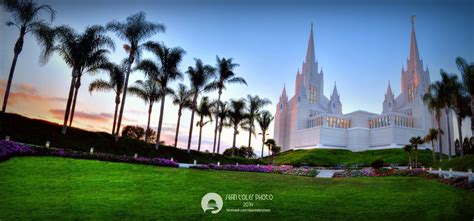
[311, 120]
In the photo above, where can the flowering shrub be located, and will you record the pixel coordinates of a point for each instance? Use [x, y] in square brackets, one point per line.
[348, 173]
[301, 171]
[10, 149]
[460, 182]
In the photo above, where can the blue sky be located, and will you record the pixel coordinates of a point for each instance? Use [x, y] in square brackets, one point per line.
[361, 45]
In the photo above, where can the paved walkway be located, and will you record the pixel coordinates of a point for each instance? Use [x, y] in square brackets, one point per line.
[327, 173]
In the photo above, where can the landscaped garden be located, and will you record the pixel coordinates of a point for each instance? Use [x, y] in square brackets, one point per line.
[55, 188]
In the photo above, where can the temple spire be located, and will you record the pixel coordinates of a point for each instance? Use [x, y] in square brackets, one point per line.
[310, 58]
[414, 55]
[389, 89]
[334, 91]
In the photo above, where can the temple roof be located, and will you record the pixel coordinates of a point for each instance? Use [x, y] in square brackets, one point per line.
[310, 57]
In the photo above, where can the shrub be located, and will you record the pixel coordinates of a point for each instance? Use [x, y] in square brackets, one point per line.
[376, 164]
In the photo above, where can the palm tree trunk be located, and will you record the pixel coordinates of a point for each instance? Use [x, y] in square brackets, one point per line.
[200, 133]
[160, 122]
[147, 132]
[233, 142]
[124, 96]
[416, 156]
[192, 120]
[69, 101]
[263, 141]
[460, 134]
[433, 151]
[449, 134]
[117, 102]
[219, 141]
[17, 49]
[76, 91]
[217, 121]
[472, 117]
[440, 139]
[177, 126]
[250, 141]
[409, 159]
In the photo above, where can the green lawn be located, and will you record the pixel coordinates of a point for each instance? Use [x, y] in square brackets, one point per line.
[329, 157]
[57, 188]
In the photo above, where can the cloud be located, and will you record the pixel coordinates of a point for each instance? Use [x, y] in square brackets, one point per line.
[97, 117]
[21, 92]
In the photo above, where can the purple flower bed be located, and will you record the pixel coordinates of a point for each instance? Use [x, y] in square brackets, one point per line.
[10, 149]
[302, 171]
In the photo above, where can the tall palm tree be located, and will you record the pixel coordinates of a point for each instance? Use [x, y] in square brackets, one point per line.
[199, 77]
[467, 72]
[203, 110]
[115, 83]
[84, 53]
[169, 59]
[255, 104]
[225, 70]
[415, 141]
[223, 115]
[27, 18]
[149, 92]
[408, 148]
[264, 119]
[435, 104]
[236, 117]
[183, 100]
[430, 138]
[448, 87]
[460, 106]
[134, 31]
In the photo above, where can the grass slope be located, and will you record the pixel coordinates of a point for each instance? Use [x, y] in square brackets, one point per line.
[457, 163]
[63, 189]
[33, 131]
[328, 157]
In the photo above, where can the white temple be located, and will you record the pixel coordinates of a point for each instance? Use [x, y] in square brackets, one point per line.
[311, 120]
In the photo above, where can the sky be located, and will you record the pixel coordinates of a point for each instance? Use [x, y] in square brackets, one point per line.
[360, 45]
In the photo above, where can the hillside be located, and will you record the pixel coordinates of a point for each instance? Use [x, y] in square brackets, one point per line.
[95, 190]
[37, 132]
[329, 157]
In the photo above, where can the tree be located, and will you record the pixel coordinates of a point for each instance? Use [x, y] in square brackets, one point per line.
[240, 152]
[255, 104]
[83, 53]
[275, 150]
[467, 72]
[270, 143]
[264, 119]
[151, 134]
[408, 148]
[225, 70]
[203, 110]
[448, 88]
[199, 76]
[134, 31]
[115, 83]
[27, 19]
[223, 115]
[415, 141]
[430, 138]
[169, 59]
[148, 91]
[134, 132]
[435, 104]
[183, 100]
[236, 118]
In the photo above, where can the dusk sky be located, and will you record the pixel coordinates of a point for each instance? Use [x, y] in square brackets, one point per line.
[361, 46]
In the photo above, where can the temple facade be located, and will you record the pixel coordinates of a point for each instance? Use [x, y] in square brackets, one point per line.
[309, 119]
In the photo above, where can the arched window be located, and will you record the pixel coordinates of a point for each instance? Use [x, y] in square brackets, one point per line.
[313, 96]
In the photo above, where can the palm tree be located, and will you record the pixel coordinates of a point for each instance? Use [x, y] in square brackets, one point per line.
[236, 117]
[223, 115]
[183, 100]
[149, 92]
[448, 88]
[226, 75]
[134, 31]
[415, 141]
[430, 138]
[467, 72]
[275, 150]
[255, 104]
[460, 106]
[270, 143]
[199, 76]
[84, 53]
[115, 83]
[169, 59]
[435, 104]
[264, 119]
[27, 19]
[203, 110]
[408, 148]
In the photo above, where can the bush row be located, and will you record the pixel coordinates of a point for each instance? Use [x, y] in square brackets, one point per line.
[290, 170]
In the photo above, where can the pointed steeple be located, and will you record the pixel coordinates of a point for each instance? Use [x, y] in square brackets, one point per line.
[310, 58]
[389, 90]
[334, 91]
[414, 54]
[283, 93]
